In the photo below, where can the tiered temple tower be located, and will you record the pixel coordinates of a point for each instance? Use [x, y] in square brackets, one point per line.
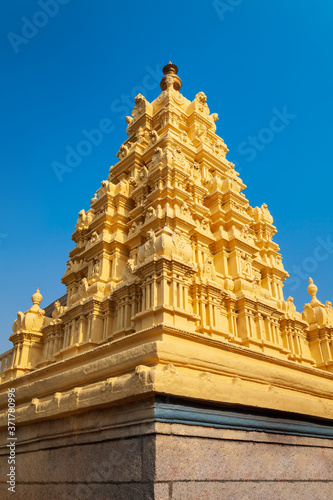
[174, 287]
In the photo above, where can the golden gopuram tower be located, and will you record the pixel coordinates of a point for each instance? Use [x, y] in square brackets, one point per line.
[174, 368]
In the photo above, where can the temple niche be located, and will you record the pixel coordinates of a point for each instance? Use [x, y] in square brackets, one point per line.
[171, 239]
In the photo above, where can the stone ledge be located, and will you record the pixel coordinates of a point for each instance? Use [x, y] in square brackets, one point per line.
[247, 420]
[162, 415]
[244, 490]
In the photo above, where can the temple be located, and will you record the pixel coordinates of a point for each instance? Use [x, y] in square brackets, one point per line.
[174, 326]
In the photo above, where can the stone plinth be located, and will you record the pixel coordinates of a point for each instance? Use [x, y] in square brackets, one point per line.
[169, 449]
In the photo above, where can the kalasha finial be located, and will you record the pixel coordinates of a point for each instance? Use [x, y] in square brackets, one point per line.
[170, 78]
[312, 289]
[37, 297]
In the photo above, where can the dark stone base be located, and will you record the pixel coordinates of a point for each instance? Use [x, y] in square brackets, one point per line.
[164, 449]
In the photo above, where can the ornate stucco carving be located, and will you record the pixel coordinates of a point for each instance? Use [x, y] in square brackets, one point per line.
[170, 239]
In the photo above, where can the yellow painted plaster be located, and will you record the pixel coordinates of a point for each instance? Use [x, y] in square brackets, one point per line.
[174, 286]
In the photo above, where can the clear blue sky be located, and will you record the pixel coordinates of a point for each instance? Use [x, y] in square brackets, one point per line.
[85, 61]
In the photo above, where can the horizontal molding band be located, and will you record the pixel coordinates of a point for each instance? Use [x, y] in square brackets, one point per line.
[171, 412]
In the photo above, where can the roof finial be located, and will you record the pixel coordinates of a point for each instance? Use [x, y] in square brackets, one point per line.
[312, 289]
[170, 78]
[37, 297]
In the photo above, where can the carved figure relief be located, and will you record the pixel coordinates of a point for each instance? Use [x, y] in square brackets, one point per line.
[81, 219]
[94, 199]
[278, 261]
[246, 233]
[205, 224]
[178, 243]
[132, 229]
[218, 149]
[129, 128]
[96, 267]
[156, 158]
[208, 269]
[57, 311]
[266, 213]
[123, 152]
[201, 100]
[245, 264]
[94, 237]
[133, 182]
[140, 135]
[256, 285]
[81, 291]
[128, 273]
[143, 173]
[184, 137]
[201, 132]
[195, 171]
[329, 313]
[104, 188]
[178, 157]
[290, 307]
[151, 212]
[184, 209]
[139, 107]
[153, 137]
[234, 185]
[148, 248]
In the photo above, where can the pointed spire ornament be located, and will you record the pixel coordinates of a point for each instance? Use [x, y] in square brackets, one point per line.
[170, 78]
[37, 297]
[312, 290]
